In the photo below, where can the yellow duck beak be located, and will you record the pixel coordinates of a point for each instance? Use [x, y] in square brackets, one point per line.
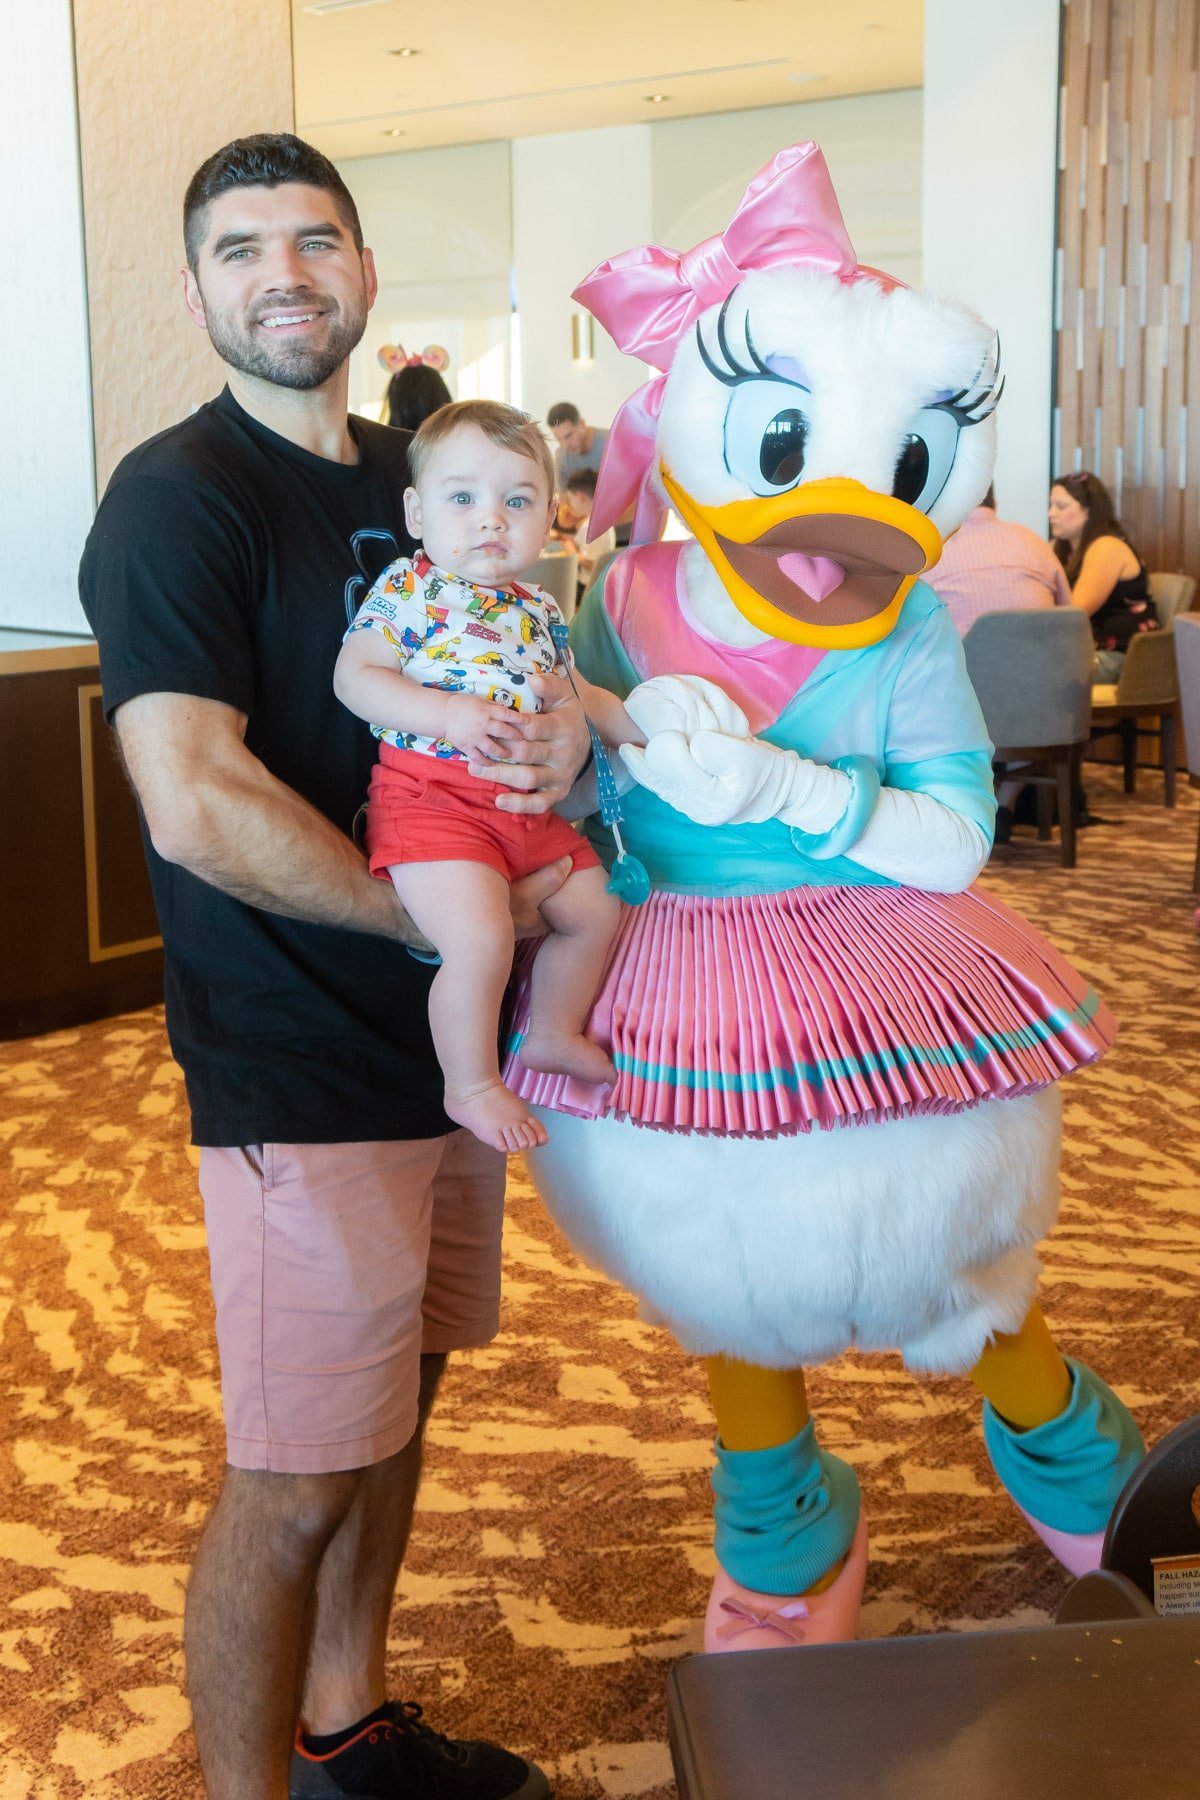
[826, 564]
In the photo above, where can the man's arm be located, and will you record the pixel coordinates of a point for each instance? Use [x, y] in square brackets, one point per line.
[214, 809]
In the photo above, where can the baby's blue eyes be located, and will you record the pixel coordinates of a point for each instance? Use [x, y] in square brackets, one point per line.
[515, 500]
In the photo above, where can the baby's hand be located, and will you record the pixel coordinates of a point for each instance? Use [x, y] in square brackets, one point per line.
[481, 729]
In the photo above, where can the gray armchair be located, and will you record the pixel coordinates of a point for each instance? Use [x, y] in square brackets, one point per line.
[1187, 656]
[1032, 672]
[1172, 595]
[559, 575]
[1148, 688]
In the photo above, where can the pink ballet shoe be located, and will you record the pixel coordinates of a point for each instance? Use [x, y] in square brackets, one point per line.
[738, 1618]
[1078, 1552]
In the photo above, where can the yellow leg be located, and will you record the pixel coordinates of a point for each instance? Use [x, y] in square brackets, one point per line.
[1023, 1374]
[756, 1408]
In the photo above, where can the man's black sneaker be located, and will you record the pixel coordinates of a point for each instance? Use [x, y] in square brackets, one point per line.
[399, 1757]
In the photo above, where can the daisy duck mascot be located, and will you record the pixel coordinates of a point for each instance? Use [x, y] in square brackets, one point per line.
[836, 1118]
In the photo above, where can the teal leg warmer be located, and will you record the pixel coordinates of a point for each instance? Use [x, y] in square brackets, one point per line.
[784, 1516]
[1067, 1473]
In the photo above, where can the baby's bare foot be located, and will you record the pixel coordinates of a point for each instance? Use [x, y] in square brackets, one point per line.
[496, 1116]
[561, 1053]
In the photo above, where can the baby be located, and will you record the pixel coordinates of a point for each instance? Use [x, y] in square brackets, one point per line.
[438, 659]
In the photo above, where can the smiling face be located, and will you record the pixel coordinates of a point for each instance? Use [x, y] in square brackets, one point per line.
[1067, 517]
[481, 511]
[279, 285]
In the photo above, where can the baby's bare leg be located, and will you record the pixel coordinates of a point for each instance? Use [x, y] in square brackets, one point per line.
[462, 908]
[582, 916]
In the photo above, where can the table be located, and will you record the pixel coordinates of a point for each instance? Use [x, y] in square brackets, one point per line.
[1062, 1712]
[76, 913]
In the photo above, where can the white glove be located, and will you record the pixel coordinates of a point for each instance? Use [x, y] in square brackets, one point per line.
[687, 704]
[717, 779]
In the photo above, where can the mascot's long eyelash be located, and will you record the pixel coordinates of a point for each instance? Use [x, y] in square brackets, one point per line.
[730, 366]
[725, 365]
[972, 405]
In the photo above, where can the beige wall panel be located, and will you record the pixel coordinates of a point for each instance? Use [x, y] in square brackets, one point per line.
[1128, 389]
[160, 88]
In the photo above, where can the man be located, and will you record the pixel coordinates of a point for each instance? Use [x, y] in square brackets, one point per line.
[993, 565]
[580, 445]
[353, 1234]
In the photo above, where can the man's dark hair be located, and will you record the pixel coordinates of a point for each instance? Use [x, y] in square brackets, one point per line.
[581, 481]
[562, 413]
[268, 159]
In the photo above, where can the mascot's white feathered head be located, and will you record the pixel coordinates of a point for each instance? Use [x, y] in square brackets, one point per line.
[820, 428]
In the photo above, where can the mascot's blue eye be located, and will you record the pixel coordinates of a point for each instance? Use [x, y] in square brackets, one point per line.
[926, 457]
[766, 434]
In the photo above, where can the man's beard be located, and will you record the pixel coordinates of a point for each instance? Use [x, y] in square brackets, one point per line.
[289, 364]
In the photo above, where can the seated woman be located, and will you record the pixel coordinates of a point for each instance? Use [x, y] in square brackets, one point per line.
[1107, 577]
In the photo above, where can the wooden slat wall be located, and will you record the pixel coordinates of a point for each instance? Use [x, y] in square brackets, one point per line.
[1128, 355]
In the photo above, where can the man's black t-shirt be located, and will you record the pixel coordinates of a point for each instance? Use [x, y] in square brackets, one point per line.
[226, 562]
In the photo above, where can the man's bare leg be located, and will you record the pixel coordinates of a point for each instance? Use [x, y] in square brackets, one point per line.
[248, 1604]
[357, 1581]
[284, 1557]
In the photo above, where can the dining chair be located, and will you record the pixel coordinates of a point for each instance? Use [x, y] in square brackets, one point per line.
[1187, 657]
[1157, 1512]
[1172, 595]
[1032, 673]
[1147, 689]
[559, 575]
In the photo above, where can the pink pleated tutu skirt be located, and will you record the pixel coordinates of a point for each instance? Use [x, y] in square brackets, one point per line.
[820, 1007]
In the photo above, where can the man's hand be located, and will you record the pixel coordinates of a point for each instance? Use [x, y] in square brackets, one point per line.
[544, 754]
[526, 896]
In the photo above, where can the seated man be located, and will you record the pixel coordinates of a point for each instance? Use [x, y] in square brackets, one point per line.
[580, 445]
[994, 565]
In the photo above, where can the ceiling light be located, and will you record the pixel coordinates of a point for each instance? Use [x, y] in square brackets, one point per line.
[393, 131]
[406, 51]
[332, 6]
[656, 99]
[802, 80]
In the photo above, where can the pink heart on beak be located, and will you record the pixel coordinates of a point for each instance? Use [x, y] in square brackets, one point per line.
[817, 575]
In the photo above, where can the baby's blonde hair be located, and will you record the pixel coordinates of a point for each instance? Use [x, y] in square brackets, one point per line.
[502, 425]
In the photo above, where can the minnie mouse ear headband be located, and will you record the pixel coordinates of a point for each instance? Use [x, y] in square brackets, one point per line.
[393, 358]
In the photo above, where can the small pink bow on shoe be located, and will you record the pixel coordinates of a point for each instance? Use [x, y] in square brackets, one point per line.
[779, 1619]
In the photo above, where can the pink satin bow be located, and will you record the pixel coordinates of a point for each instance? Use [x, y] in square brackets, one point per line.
[646, 299]
[783, 1619]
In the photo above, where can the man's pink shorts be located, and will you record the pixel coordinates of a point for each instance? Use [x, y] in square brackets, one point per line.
[334, 1266]
[423, 809]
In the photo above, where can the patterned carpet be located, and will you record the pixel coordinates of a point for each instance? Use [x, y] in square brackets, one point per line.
[561, 1554]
